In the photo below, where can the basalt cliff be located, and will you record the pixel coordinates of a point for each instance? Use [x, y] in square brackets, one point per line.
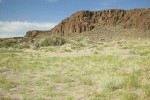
[83, 21]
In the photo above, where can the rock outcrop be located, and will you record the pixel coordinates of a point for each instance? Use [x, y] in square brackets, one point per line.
[82, 21]
[37, 33]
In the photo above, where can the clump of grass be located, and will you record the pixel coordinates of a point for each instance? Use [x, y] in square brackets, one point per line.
[24, 97]
[53, 94]
[128, 96]
[59, 79]
[70, 98]
[100, 95]
[99, 48]
[53, 41]
[23, 46]
[6, 84]
[127, 47]
[77, 44]
[109, 83]
[144, 52]
[5, 98]
[95, 52]
[87, 81]
[112, 85]
[131, 81]
[146, 89]
[47, 49]
[67, 49]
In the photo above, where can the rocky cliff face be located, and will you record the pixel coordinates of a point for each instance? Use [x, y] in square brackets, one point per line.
[37, 33]
[82, 21]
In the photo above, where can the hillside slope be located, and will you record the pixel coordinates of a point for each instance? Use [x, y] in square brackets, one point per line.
[83, 21]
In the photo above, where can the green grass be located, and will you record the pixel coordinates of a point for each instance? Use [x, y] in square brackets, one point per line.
[146, 89]
[70, 98]
[87, 81]
[38, 75]
[131, 81]
[141, 50]
[67, 49]
[128, 96]
[6, 84]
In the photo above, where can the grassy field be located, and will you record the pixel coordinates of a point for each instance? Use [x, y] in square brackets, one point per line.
[79, 70]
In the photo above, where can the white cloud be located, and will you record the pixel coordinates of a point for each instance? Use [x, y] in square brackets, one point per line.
[18, 28]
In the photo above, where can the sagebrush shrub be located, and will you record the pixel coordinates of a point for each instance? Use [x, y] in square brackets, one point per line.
[53, 41]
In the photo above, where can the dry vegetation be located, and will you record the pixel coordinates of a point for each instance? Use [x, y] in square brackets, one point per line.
[81, 69]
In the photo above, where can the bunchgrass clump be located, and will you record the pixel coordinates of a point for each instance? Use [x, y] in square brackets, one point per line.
[131, 81]
[146, 89]
[128, 96]
[87, 81]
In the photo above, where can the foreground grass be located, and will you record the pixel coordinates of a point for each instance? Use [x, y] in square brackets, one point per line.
[38, 75]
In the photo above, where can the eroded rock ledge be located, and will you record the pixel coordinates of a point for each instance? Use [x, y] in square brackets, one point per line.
[82, 21]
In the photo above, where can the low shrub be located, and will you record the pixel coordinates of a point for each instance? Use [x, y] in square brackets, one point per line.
[23, 45]
[53, 41]
[8, 43]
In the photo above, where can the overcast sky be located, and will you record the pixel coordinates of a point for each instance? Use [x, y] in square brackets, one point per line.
[19, 16]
